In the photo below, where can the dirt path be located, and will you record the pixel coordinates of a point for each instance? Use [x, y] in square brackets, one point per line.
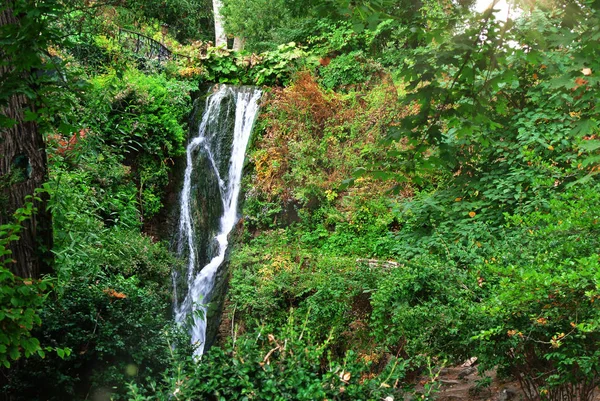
[464, 383]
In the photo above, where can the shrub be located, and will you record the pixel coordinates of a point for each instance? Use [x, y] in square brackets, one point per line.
[348, 69]
[144, 117]
[285, 364]
[541, 310]
[425, 307]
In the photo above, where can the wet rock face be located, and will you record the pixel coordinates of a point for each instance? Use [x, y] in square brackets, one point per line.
[206, 204]
[209, 205]
[208, 210]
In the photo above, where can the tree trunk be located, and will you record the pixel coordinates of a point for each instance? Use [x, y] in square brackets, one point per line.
[220, 37]
[23, 168]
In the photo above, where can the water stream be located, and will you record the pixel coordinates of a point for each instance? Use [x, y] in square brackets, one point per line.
[215, 157]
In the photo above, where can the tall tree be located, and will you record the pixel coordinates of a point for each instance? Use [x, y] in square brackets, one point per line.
[23, 165]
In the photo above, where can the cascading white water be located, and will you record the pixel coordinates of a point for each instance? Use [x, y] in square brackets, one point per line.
[201, 281]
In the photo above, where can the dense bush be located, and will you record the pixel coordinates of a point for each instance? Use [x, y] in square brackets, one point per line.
[142, 117]
[348, 69]
[116, 329]
[21, 299]
[541, 304]
[288, 363]
[111, 300]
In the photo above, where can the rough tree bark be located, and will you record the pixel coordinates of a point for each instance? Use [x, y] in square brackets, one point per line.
[220, 36]
[23, 168]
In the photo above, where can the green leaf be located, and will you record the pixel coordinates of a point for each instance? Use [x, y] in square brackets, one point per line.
[14, 353]
[590, 145]
[584, 127]
[66, 129]
[30, 116]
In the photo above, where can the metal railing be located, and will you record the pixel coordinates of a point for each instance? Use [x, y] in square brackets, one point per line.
[145, 46]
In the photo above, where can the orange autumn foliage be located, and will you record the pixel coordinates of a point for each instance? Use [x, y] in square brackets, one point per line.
[114, 294]
[64, 145]
[315, 137]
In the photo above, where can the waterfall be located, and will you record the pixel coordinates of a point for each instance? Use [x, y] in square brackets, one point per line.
[221, 146]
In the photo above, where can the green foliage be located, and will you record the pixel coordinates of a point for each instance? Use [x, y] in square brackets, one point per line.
[278, 66]
[495, 239]
[424, 307]
[241, 20]
[282, 21]
[111, 303]
[541, 312]
[488, 248]
[336, 36]
[361, 230]
[143, 116]
[348, 69]
[274, 67]
[285, 364]
[189, 19]
[220, 66]
[35, 74]
[261, 214]
[20, 299]
[115, 327]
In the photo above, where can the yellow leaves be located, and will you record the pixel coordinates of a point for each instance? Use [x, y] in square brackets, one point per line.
[457, 199]
[278, 263]
[542, 320]
[189, 72]
[550, 147]
[331, 195]
[472, 214]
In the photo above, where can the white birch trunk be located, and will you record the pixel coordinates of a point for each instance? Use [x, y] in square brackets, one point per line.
[220, 37]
